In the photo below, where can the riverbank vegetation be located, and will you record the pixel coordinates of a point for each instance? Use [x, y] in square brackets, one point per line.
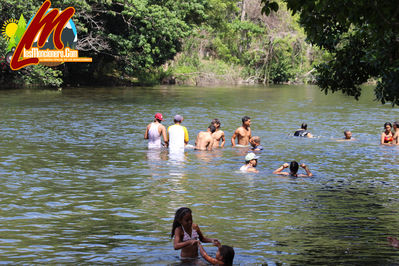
[176, 42]
[336, 44]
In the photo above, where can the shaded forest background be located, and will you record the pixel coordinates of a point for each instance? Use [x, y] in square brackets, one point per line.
[194, 42]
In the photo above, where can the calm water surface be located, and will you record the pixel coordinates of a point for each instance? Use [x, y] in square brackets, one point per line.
[79, 185]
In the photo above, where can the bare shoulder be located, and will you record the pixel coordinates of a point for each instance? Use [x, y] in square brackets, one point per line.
[195, 226]
[162, 126]
[178, 231]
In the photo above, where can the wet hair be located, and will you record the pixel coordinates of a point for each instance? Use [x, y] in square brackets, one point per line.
[256, 139]
[387, 124]
[215, 122]
[245, 119]
[294, 166]
[304, 126]
[212, 128]
[227, 253]
[346, 131]
[178, 216]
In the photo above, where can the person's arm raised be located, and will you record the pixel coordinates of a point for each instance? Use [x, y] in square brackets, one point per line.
[304, 166]
[209, 258]
[281, 168]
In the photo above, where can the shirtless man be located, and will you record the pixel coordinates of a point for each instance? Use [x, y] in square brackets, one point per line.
[243, 133]
[218, 135]
[205, 140]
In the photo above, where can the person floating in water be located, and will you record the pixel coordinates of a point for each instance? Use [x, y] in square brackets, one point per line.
[218, 134]
[294, 166]
[255, 143]
[177, 135]
[251, 160]
[224, 255]
[243, 133]
[154, 131]
[347, 136]
[205, 139]
[387, 136]
[302, 132]
[187, 235]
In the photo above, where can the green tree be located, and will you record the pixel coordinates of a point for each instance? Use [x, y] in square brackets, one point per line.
[362, 38]
[20, 30]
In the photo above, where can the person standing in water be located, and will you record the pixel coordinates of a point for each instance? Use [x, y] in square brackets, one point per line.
[243, 133]
[177, 135]
[387, 136]
[187, 235]
[251, 161]
[154, 131]
[218, 134]
[205, 139]
[255, 143]
[396, 133]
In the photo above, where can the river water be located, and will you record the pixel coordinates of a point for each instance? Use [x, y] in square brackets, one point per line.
[79, 185]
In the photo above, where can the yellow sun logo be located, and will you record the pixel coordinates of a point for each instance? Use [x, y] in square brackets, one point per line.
[9, 28]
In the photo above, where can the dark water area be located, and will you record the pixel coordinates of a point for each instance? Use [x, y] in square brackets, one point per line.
[79, 185]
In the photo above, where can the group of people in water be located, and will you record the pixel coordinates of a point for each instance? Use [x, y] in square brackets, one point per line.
[176, 138]
[390, 136]
[187, 236]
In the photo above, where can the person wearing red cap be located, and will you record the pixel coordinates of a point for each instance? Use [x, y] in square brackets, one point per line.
[154, 132]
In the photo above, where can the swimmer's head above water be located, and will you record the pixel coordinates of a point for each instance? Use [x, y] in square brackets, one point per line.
[348, 134]
[216, 123]
[212, 128]
[182, 217]
[294, 166]
[252, 159]
[246, 121]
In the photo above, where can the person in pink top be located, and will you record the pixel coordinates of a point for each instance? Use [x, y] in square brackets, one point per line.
[154, 131]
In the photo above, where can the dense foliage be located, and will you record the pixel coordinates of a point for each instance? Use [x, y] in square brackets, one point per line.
[363, 38]
[190, 41]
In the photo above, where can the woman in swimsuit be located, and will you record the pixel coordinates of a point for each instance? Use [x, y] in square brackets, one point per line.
[386, 136]
[188, 235]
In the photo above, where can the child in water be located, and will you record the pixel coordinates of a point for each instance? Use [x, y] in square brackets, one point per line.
[188, 235]
[224, 255]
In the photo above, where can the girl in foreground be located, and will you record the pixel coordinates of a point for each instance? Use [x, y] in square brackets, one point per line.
[188, 235]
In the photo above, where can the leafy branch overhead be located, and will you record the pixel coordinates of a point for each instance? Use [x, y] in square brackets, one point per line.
[361, 35]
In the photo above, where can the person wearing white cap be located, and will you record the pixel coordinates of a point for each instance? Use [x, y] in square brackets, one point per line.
[154, 131]
[251, 160]
[177, 135]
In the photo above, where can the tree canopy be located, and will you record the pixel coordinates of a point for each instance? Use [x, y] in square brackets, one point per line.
[362, 37]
